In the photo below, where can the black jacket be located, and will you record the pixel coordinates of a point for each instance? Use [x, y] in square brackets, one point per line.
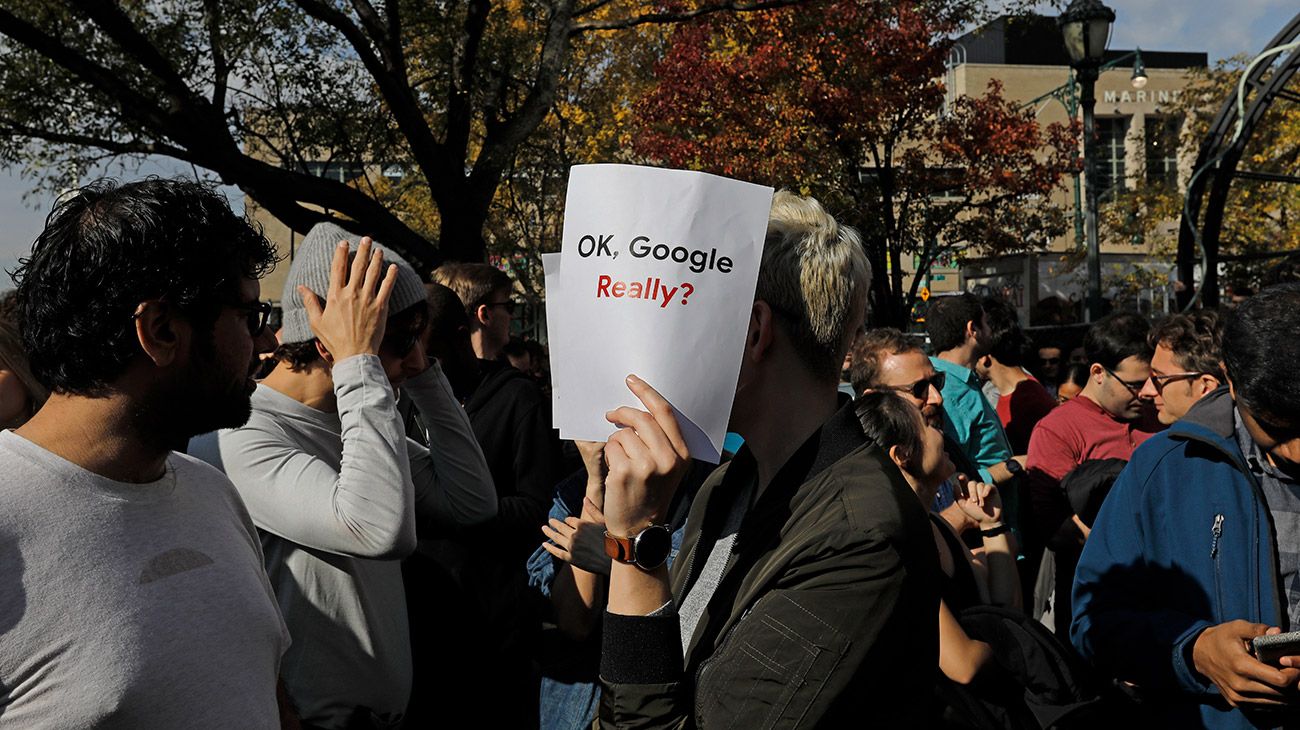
[512, 422]
[826, 616]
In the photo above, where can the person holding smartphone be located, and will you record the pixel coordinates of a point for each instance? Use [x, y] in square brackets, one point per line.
[1196, 550]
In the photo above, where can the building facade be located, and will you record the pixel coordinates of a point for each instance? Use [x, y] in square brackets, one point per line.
[1140, 142]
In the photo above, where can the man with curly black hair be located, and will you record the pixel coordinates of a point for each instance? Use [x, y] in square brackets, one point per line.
[134, 590]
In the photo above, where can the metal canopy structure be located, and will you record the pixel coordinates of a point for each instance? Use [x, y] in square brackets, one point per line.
[1217, 168]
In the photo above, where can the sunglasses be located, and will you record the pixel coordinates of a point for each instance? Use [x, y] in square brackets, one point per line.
[256, 315]
[919, 390]
[510, 305]
[1160, 381]
[1051, 360]
[400, 343]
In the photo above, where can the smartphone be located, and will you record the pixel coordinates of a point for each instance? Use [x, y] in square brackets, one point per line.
[1269, 649]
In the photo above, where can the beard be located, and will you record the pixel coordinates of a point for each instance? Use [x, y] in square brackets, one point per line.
[933, 415]
[205, 397]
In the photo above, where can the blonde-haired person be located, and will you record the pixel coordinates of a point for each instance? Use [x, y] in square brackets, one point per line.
[20, 393]
[805, 591]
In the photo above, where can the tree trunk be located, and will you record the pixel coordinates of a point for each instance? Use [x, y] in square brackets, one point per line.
[460, 232]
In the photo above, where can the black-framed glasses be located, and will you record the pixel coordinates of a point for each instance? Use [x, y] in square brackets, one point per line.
[1134, 388]
[400, 343]
[1160, 381]
[509, 304]
[919, 390]
[256, 315]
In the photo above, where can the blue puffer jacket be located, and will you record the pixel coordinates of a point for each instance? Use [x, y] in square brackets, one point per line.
[1183, 542]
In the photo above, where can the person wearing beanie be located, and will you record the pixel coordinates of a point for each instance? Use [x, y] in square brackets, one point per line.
[336, 489]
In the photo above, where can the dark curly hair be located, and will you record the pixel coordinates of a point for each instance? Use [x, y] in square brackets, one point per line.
[110, 246]
[1260, 348]
[1196, 340]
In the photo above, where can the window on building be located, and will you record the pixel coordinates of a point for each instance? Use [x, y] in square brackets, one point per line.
[1111, 132]
[336, 171]
[1162, 150]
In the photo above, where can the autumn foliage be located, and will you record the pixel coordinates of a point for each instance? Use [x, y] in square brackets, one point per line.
[846, 100]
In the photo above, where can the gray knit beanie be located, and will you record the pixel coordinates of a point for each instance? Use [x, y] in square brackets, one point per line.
[311, 268]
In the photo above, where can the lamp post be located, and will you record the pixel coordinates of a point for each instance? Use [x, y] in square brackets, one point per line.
[1086, 27]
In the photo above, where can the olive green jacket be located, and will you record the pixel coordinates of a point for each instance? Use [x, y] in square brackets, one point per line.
[825, 616]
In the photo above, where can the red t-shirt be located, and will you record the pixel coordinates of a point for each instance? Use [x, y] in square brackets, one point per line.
[1021, 410]
[1074, 432]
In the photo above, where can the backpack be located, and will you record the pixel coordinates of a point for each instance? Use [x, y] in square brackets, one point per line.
[1034, 682]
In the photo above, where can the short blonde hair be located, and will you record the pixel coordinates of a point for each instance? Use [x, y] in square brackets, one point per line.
[814, 275]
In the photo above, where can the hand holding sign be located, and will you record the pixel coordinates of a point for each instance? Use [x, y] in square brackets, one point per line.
[647, 457]
[658, 275]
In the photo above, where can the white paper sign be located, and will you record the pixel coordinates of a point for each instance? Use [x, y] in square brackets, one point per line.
[655, 278]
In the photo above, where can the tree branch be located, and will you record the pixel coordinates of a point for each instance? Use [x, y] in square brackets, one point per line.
[597, 5]
[220, 66]
[501, 140]
[98, 77]
[464, 62]
[428, 154]
[663, 18]
[115, 147]
[116, 25]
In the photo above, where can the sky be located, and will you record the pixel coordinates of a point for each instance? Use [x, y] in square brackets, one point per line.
[1222, 29]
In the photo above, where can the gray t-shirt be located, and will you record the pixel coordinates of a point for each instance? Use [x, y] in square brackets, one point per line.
[131, 605]
[337, 497]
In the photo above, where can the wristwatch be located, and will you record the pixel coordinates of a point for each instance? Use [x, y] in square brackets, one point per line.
[1013, 467]
[647, 550]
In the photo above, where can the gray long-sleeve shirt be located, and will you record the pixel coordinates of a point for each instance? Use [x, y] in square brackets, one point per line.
[337, 497]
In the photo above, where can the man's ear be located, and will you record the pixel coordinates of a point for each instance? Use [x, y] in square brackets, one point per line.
[1097, 373]
[325, 355]
[482, 315]
[758, 338]
[1209, 382]
[896, 456]
[162, 336]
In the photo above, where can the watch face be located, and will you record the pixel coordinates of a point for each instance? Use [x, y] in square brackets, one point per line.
[652, 547]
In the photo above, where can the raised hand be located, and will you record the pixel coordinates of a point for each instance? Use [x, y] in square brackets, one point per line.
[979, 501]
[579, 542]
[352, 319]
[646, 457]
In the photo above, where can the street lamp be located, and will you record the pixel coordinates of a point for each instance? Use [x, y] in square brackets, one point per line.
[1139, 77]
[1086, 27]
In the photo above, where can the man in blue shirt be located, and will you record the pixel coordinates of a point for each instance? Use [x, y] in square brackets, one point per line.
[959, 335]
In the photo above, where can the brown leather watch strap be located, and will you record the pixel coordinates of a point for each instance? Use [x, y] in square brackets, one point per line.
[618, 548]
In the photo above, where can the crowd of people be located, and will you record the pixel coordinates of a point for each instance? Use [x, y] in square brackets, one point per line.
[364, 519]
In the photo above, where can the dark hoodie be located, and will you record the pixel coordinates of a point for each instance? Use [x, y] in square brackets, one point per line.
[512, 422]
